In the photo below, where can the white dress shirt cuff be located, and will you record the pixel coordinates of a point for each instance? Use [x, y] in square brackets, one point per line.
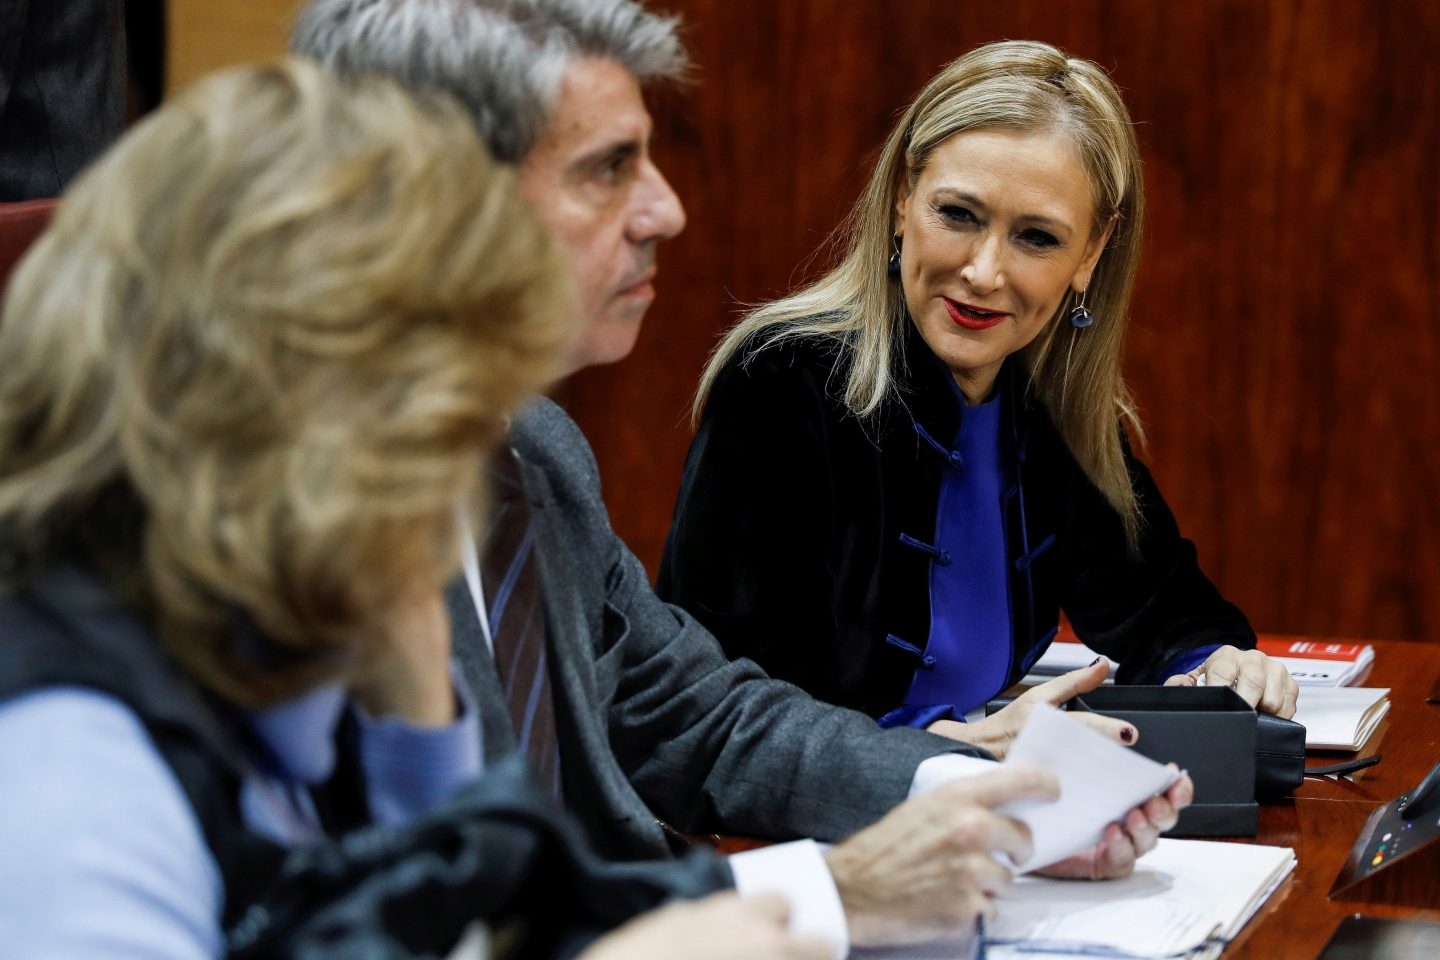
[798, 872]
[945, 768]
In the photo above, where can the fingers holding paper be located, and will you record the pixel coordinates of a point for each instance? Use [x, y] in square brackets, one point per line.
[1263, 682]
[1127, 841]
[934, 864]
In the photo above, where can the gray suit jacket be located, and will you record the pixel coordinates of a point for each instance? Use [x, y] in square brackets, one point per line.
[653, 719]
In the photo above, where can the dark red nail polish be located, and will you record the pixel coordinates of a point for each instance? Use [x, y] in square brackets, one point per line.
[1128, 735]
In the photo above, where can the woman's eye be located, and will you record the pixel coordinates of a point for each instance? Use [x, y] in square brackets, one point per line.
[957, 214]
[1039, 239]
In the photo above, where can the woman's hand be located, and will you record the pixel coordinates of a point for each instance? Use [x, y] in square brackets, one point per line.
[996, 733]
[1125, 842]
[1264, 683]
[722, 926]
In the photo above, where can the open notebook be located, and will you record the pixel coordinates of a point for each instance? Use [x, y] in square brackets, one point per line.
[1341, 718]
[1186, 898]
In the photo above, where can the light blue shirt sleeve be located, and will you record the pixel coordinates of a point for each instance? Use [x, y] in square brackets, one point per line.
[101, 856]
[408, 769]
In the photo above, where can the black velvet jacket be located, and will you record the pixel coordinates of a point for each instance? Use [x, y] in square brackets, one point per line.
[800, 534]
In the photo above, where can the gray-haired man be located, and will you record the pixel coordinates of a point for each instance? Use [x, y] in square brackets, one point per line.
[651, 719]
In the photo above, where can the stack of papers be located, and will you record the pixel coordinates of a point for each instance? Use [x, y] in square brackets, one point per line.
[1335, 716]
[1341, 718]
[1186, 898]
[1312, 663]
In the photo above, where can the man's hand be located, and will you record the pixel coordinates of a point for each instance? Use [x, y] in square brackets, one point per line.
[1125, 842]
[1263, 682]
[930, 867]
[996, 733]
[720, 927]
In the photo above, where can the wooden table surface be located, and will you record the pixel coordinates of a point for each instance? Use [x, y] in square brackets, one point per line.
[1324, 816]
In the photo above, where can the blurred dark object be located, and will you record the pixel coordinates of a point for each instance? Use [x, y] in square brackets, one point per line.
[62, 90]
[145, 44]
[500, 852]
[1376, 938]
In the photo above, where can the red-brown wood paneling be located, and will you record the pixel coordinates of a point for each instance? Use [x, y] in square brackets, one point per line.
[1286, 338]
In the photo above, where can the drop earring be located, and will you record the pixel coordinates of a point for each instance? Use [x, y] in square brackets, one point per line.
[894, 265]
[1080, 315]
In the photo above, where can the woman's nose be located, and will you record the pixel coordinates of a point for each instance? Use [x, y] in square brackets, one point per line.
[984, 271]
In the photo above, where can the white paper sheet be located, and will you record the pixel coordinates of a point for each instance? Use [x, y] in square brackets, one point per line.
[1100, 781]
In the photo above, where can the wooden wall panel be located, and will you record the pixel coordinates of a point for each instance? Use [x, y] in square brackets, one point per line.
[205, 35]
[1286, 338]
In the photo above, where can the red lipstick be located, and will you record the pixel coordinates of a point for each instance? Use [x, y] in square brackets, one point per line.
[972, 317]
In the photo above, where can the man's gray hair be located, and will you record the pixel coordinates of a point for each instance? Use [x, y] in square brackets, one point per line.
[504, 59]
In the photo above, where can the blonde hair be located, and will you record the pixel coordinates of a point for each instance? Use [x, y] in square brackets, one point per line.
[285, 318]
[1013, 85]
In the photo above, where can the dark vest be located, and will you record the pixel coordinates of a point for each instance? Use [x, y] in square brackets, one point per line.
[66, 630]
[500, 851]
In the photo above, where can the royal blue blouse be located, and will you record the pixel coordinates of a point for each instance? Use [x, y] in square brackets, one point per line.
[967, 656]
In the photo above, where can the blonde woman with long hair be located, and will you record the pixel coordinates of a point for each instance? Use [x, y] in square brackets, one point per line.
[905, 471]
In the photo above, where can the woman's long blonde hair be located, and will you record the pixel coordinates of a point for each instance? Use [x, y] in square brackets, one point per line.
[1013, 85]
[284, 318]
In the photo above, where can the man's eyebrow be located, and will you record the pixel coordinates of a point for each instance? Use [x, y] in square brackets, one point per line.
[603, 156]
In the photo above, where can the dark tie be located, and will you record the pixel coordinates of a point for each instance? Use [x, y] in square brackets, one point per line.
[517, 621]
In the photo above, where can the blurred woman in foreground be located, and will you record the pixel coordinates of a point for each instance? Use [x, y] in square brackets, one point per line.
[251, 373]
